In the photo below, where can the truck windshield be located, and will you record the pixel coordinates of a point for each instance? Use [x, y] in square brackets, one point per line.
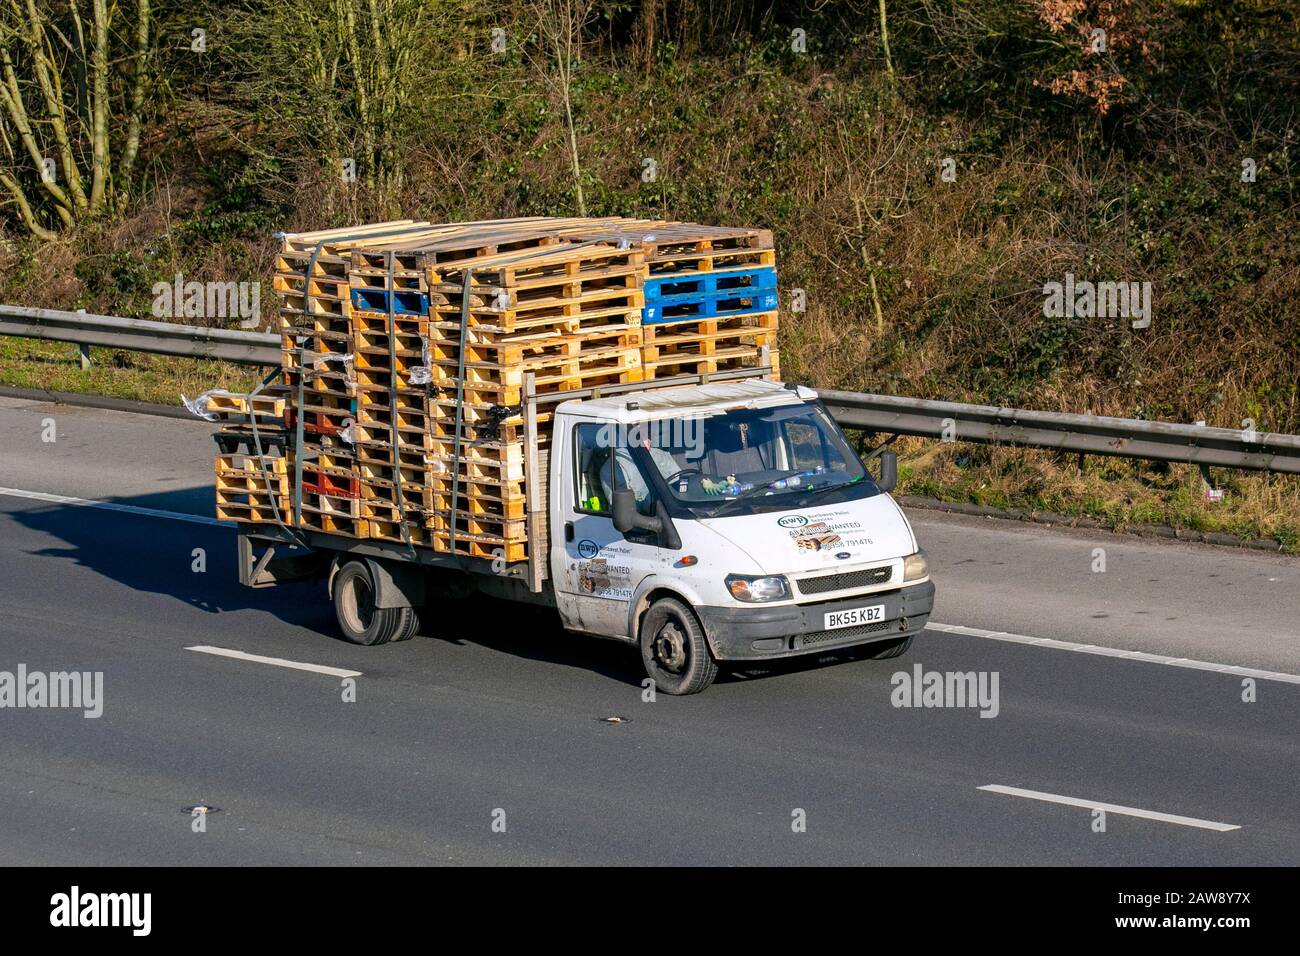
[756, 459]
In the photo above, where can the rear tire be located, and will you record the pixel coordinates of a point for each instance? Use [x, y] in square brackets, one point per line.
[359, 620]
[674, 649]
[886, 650]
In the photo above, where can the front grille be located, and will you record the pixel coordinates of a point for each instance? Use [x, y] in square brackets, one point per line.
[846, 633]
[846, 580]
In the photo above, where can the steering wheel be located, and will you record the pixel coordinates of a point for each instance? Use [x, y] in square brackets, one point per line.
[684, 471]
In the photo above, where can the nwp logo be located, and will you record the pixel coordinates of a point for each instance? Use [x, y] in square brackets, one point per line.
[792, 521]
[74, 909]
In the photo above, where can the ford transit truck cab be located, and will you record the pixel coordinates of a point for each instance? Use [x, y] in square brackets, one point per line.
[728, 521]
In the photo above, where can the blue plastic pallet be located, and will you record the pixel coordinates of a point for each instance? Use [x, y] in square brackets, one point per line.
[707, 295]
[405, 301]
[734, 281]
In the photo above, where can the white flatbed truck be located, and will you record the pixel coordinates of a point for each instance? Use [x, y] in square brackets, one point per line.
[729, 521]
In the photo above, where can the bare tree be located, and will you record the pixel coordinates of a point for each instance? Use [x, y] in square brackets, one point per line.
[560, 24]
[884, 39]
[343, 78]
[65, 84]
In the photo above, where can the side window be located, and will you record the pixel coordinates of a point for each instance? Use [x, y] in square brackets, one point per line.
[594, 473]
[592, 459]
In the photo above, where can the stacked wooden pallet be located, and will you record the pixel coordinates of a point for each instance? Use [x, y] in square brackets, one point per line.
[252, 477]
[711, 296]
[406, 346]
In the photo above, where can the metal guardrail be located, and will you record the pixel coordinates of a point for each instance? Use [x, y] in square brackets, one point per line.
[1059, 431]
[141, 335]
[1066, 432]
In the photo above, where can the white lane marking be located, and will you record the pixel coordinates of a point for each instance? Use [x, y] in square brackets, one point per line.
[1111, 808]
[111, 506]
[1232, 669]
[276, 661]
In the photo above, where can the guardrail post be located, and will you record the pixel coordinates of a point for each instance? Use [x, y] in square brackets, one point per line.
[84, 349]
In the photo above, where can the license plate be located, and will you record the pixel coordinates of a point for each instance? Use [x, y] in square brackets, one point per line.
[854, 615]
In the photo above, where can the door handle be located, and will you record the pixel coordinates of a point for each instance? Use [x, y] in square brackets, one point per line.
[568, 531]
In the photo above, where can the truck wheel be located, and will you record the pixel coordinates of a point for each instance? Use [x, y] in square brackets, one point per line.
[359, 620]
[674, 649]
[886, 650]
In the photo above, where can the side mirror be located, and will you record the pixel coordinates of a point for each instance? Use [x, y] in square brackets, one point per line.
[888, 470]
[626, 517]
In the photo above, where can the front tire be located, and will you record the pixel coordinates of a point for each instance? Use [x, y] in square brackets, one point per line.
[674, 649]
[359, 620]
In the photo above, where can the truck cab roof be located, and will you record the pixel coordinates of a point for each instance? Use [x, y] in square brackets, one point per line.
[699, 400]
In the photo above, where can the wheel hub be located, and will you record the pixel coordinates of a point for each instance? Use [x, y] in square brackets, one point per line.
[670, 647]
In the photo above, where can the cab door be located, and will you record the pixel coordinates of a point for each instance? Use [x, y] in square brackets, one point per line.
[597, 569]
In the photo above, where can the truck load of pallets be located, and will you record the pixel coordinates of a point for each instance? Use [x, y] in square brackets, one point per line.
[409, 349]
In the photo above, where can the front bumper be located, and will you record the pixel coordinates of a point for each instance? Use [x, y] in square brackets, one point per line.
[767, 633]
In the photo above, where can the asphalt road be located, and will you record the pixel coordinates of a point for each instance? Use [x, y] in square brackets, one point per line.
[495, 714]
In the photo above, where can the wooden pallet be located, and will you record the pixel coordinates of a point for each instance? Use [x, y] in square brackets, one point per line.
[332, 522]
[484, 347]
[377, 277]
[704, 337]
[337, 506]
[379, 380]
[298, 284]
[689, 247]
[417, 535]
[415, 495]
[479, 527]
[377, 481]
[719, 360]
[376, 344]
[508, 432]
[232, 481]
[570, 285]
[379, 433]
[598, 366]
[250, 506]
[462, 242]
[294, 340]
[298, 303]
[476, 500]
[480, 546]
[230, 405]
[378, 360]
[487, 487]
[473, 467]
[248, 512]
[389, 512]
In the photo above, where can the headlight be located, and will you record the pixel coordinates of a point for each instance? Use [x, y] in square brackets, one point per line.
[915, 566]
[752, 590]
